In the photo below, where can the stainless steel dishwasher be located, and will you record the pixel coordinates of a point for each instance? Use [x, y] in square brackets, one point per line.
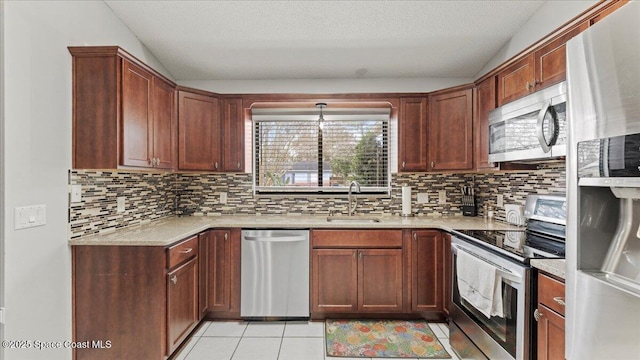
[274, 274]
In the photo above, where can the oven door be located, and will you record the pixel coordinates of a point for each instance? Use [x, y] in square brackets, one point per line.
[504, 337]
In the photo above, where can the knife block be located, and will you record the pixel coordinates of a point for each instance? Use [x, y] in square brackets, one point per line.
[469, 205]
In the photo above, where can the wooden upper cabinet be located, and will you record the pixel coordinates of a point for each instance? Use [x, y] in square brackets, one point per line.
[551, 59]
[412, 139]
[123, 111]
[233, 138]
[164, 144]
[615, 5]
[484, 101]
[137, 121]
[199, 132]
[516, 80]
[450, 130]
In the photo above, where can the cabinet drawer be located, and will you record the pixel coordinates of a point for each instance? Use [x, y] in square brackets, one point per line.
[356, 238]
[551, 293]
[182, 251]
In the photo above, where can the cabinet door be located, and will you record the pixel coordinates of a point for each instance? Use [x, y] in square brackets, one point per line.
[164, 124]
[450, 131]
[412, 139]
[426, 271]
[550, 334]
[203, 274]
[516, 80]
[182, 303]
[551, 59]
[199, 132]
[219, 270]
[334, 280]
[380, 280]
[485, 101]
[136, 116]
[446, 274]
[233, 138]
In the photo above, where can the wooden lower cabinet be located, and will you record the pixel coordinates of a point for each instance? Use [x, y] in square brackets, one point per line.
[446, 276]
[143, 299]
[334, 280]
[223, 273]
[357, 271]
[550, 334]
[549, 315]
[182, 303]
[426, 270]
[380, 280]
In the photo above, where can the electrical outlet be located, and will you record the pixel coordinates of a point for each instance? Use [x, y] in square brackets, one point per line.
[223, 198]
[423, 198]
[76, 193]
[442, 196]
[500, 200]
[120, 204]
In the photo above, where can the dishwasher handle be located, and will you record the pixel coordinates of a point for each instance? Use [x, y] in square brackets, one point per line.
[274, 238]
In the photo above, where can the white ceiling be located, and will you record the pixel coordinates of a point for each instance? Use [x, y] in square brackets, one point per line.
[252, 40]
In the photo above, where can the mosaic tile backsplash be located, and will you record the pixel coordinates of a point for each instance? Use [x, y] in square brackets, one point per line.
[153, 196]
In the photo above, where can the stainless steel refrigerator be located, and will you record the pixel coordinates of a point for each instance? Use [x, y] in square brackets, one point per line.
[603, 195]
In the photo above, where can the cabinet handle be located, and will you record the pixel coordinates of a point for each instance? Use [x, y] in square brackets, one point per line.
[559, 300]
[174, 279]
[415, 236]
[537, 315]
[354, 254]
[403, 163]
[215, 165]
[531, 86]
[360, 254]
[186, 251]
[238, 165]
[226, 236]
[433, 164]
[157, 161]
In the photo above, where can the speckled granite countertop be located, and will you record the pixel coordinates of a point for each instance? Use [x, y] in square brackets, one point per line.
[172, 229]
[555, 267]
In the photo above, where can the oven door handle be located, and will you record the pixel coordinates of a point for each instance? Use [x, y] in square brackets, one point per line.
[504, 272]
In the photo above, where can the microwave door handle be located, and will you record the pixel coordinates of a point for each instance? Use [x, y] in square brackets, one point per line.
[539, 127]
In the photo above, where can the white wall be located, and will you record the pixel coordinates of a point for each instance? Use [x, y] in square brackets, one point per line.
[37, 143]
[549, 17]
[326, 86]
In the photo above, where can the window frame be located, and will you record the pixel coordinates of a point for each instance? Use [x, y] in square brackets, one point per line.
[311, 115]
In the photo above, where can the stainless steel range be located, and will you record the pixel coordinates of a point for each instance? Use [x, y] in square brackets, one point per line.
[492, 286]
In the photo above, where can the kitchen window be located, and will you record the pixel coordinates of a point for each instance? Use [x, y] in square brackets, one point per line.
[295, 152]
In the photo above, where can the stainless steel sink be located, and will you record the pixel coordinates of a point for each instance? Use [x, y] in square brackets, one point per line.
[351, 220]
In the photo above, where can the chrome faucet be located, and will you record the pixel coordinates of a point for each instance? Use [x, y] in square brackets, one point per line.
[352, 210]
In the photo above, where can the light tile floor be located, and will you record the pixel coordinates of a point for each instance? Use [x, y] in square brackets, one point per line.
[290, 340]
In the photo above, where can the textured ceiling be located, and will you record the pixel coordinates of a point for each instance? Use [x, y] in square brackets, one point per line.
[234, 40]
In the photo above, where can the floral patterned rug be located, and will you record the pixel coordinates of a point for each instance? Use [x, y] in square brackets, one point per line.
[383, 338]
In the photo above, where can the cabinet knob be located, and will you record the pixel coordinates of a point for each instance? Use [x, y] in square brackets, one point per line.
[403, 163]
[415, 236]
[354, 254]
[174, 279]
[531, 86]
[537, 315]
[157, 161]
[433, 164]
[215, 165]
[226, 236]
[238, 165]
[559, 300]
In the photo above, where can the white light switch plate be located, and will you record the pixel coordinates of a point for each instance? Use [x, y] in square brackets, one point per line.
[223, 198]
[442, 196]
[76, 193]
[500, 200]
[30, 216]
[120, 204]
[423, 198]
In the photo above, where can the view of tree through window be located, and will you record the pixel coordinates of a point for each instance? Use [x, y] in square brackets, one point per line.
[289, 155]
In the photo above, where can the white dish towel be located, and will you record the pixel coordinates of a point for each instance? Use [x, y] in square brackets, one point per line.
[480, 284]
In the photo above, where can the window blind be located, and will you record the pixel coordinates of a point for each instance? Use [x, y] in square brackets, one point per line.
[294, 152]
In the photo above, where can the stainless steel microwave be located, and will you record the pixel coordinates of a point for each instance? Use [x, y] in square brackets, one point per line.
[531, 128]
